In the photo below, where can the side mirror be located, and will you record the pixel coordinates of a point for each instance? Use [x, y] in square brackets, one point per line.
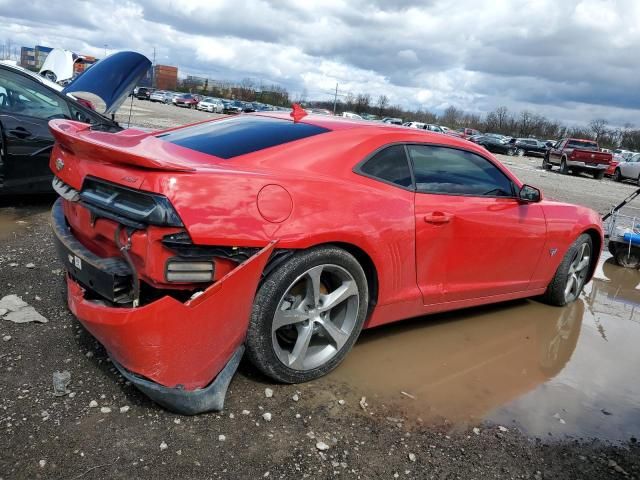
[529, 194]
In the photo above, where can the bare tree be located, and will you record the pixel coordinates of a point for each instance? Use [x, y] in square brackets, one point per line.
[381, 104]
[451, 117]
[362, 102]
[598, 128]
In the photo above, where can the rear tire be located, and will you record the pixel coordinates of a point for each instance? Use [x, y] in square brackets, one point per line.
[598, 175]
[312, 337]
[617, 176]
[563, 167]
[520, 152]
[571, 275]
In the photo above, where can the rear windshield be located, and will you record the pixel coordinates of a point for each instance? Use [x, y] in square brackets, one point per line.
[583, 144]
[240, 135]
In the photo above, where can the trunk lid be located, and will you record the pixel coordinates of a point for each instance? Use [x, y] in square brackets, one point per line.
[111, 79]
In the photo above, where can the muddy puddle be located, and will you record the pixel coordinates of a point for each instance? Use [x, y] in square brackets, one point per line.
[10, 222]
[553, 372]
[14, 220]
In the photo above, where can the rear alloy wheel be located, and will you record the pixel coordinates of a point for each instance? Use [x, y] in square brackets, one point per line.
[563, 167]
[307, 315]
[617, 176]
[572, 273]
[520, 152]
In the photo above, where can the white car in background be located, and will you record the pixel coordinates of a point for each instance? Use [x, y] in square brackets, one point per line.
[419, 125]
[211, 104]
[628, 169]
[352, 116]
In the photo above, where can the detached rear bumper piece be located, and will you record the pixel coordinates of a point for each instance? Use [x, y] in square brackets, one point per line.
[182, 355]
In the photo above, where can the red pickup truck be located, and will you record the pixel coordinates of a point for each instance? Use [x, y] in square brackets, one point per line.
[575, 155]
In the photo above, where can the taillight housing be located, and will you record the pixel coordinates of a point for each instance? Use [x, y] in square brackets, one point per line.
[130, 207]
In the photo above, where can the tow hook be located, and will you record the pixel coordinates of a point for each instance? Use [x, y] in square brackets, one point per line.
[124, 249]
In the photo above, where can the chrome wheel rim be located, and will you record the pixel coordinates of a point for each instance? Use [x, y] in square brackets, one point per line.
[520, 152]
[315, 317]
[578, 270]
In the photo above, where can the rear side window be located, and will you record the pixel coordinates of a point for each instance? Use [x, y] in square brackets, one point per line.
[389, 165]
[240, 135]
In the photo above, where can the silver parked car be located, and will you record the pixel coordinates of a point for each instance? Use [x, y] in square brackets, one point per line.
[161, 96]
[211, 104]
[628, 169]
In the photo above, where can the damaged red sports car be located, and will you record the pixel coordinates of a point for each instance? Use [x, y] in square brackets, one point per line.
[285, 238]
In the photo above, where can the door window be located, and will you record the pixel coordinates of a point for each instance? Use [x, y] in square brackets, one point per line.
[443, 170]
[389, 165]
[23, 96]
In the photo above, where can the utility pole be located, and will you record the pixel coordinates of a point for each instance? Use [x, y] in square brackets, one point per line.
[335, 100]
[153, 69]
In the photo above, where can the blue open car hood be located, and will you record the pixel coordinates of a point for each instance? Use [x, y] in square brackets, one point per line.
[112, 78]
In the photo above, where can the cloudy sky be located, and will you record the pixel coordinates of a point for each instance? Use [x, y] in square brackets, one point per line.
[571, 60]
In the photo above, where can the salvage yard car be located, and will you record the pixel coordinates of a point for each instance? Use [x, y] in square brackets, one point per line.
[529, 146]
[494, 144]
[186, 247]
[28, 102]
[210, 104]
[628, 169]
[186, 100]
[575, 155]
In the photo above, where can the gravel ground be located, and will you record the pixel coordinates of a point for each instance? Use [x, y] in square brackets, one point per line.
[104, 428]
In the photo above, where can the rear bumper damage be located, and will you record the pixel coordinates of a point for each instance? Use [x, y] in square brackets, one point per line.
[182, 355]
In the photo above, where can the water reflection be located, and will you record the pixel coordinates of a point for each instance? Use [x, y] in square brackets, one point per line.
[548, 369]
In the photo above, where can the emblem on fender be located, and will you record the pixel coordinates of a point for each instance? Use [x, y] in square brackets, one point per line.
[553, 251]
[59, 164]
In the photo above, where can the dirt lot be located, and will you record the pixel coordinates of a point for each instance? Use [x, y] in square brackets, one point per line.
[512, 391]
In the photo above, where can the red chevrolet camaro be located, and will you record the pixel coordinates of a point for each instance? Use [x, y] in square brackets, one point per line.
[286, 237]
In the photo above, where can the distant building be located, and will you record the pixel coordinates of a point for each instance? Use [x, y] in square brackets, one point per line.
[165, 77]
[41, 53]
[33, 58]
[195, 81]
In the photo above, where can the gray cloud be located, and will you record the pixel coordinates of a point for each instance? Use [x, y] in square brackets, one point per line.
[562, 59]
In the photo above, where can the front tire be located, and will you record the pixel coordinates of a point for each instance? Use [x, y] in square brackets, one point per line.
[546, 164]
[307, 315]
[598, 175]
[571, 274]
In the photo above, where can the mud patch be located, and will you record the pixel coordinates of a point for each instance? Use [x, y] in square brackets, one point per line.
[10, 223]
[553, 372]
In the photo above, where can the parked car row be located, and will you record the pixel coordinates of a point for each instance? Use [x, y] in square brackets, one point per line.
[199, 102]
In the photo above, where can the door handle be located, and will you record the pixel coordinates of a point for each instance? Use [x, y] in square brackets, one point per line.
[20, 132]
[438, 217]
